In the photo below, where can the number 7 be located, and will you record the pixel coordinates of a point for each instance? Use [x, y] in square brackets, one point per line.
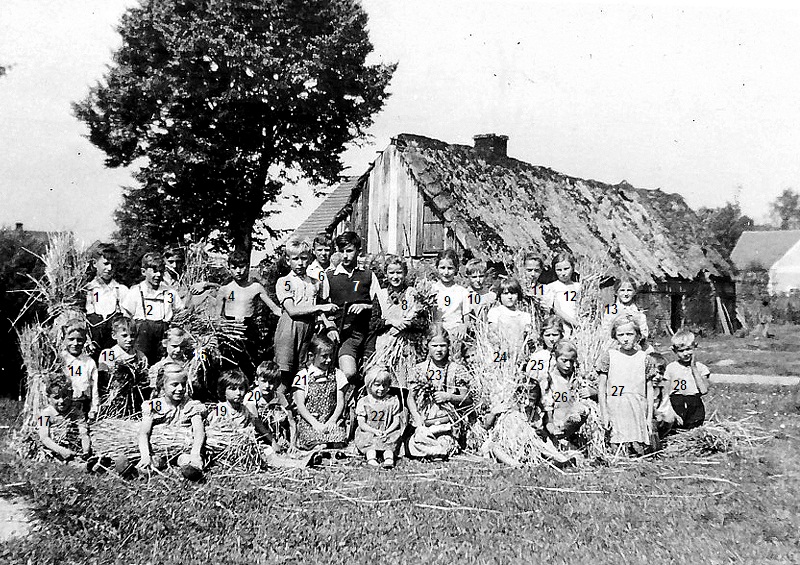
[355, 288]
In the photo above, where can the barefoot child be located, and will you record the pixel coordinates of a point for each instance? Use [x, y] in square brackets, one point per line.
[318, 393]
[272, 406]
[237, 302]
[439, 387]
[687, 381]
[380, 421]
[62, 425]
[625, 387]
[151, 304]
[124, 381]
[79, 368]
[562, 296]
[104, 297]
[297, 295]
[171, 407]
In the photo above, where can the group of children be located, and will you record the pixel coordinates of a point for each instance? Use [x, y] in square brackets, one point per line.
[334, 382]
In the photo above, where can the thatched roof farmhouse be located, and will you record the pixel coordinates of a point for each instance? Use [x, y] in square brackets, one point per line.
[422, 195]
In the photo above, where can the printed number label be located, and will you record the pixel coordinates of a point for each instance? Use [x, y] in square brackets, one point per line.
[355, 286]
[255, 396]
[221, 410]
[435, 373]
[500, 357]
[107, 355]
[404, 304]
[617, 390]
[97, 297]
[171, 298]
[538, 365]
[43, 420]
[475, 299]
[321, 276]
[155, 405]
[286, 286]
[149, 310]
[300, 381]
[447, 300]
[679, 385]
[538, 289]
[231, 295]
[73, 372]
[377, 416]
[560, 397]
[571, 296]
[611, 308]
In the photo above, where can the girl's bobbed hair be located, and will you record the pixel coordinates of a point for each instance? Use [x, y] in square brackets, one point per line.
[563, 346]
[625, 279]
[550, 323]
[376, 374]
[395, 260]
[449, 254]
[511, 284]
[624, 321]
[231, 379]
[562, 257]
[166, 371]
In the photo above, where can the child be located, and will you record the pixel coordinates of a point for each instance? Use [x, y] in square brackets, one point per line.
[479, 296]
[506, 320]
[687, 381]
[396, 322]
[380, 421]
[352, 289]
[152, 305]
[539, 362]
[237, 302]
[123, 370]
[104, 297]
[439, 387]
[565, 400]
[625, 292]
[177, 349]
[451, 298]
[532, 268]
[563, 295]
[297, 295]
[322, 257]
[626, 388]
[272, 406]
[62, 425]
[318, 393]
[79, 368]
[172, 407]
[665, 416]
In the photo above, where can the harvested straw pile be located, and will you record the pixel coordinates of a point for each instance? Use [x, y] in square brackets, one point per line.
[716, 436]
[40, 356]
[237, 449]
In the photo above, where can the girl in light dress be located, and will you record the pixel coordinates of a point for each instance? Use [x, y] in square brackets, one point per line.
[380, 419]
[452, 300]
[439, 390]
[626, 388]
[507, 320]
[563, 295]
[625, 292]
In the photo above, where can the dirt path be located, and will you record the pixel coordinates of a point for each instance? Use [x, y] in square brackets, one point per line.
[754, 379]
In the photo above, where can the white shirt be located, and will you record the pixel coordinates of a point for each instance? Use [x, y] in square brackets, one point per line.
[144, 303]
[452, 304]
[82, 373]
[316, 272]
[104, 299]
[562, 298]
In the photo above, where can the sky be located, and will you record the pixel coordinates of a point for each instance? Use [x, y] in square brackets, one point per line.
[698, 98]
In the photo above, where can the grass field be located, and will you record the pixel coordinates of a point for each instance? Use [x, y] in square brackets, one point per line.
[763, 356]
[733, 509]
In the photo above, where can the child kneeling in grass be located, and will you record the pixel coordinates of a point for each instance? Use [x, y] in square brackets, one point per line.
[380, 419]
[63, 429]
[170, 407]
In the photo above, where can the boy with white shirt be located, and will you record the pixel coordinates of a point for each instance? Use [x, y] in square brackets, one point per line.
[104, 297]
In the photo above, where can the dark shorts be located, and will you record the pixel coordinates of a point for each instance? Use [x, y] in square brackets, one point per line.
[100, 332]
[690, 408]
[352, 344]
[149, 337]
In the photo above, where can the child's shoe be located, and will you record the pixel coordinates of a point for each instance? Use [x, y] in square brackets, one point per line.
[388, 462]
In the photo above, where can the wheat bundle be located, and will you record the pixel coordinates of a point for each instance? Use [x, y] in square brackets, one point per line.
[229, 448]
[198, 267]
[39, 348]
[126, 389]
[716, 436]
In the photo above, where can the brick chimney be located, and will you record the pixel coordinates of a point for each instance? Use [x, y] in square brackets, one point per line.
[18, 227]
[492, 144]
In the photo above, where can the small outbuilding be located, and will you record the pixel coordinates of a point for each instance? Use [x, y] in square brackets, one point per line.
[422, 195]
[769, 259]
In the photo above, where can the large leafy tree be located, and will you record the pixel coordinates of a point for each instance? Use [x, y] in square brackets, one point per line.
[221, 102]
[726, 223]
[785, 210]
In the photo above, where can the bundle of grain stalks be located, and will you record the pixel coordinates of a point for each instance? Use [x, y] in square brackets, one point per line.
[716, 435]
[235, 449]
[39, 347]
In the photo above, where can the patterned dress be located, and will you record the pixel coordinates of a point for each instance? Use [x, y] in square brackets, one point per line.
[321, 390]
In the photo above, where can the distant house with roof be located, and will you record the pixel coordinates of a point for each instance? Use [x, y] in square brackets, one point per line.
[775, 254]
[423, 195]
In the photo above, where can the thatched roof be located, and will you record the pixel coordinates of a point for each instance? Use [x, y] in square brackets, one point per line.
[499, 203]
[761, 249]
[320, 218]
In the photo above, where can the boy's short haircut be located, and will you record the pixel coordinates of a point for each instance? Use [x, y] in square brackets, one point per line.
[177, 331]
[238, 259]
[348, 238]
[169, 368]
[394, 260]
[153, 261]
[564, 346]
[376, 374]
[553, 322]
[176, 252]
[122, 323]
[624, 321]
[103, 250]
[59, 389]
[319, 343]
[74, 325]
[475, 267]
[511, 284]
[268, 371]
[659, 361]
[234, 378]
[323, 239]
[297, 246]
[683, 338]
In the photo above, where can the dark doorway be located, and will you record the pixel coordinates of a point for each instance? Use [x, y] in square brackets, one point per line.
[676, 312]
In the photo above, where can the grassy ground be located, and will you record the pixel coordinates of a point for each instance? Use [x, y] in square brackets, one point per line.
[743, 508]
[748, 355]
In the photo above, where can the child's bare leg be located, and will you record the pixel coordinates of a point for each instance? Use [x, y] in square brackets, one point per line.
[372, 457]
[388, 459]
